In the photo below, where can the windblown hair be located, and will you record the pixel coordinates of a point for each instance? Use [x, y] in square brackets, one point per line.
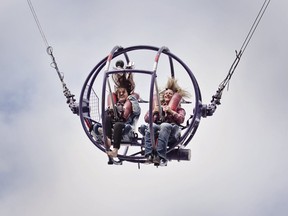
[173, 85]
[124, 80]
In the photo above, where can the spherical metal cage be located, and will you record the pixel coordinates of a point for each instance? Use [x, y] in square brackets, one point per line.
[87, 96]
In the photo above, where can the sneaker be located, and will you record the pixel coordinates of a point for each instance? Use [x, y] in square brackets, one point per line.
[113, 153]
[163, 162]
[156, 160]
[98, 130]
[149, 159]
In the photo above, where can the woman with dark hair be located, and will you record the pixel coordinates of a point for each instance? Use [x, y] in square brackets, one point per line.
[126, 108]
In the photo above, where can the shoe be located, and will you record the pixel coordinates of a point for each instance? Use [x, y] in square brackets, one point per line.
[156, 160]
[149, 159]
[163, 162]
[100, 131]
[113, 153]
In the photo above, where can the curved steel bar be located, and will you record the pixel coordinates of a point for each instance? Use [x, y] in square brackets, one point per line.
[106, 79]
[151, 98]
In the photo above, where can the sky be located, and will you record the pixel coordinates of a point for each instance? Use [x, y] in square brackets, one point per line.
[239, 160]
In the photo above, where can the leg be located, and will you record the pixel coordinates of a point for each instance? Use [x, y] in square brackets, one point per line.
[108, 126]
[117, 136]
[148, 142]
[108, 130]
[174, 135]
[163, 137]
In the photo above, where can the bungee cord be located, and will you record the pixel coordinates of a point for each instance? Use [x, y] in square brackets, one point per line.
[38, 23]
[200, 110]
[70, 97]
[217, 97]
[255, 25]
[208, 110]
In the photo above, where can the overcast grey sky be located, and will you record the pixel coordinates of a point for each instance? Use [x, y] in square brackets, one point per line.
[239, 155]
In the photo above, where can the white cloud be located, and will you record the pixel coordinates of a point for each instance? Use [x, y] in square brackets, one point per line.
[47, 164]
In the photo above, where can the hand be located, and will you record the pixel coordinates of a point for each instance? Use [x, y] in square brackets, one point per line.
[167, 109]
[110, 112]
[156, 109]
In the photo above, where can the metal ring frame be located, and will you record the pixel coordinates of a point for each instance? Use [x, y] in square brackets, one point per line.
[116, 51]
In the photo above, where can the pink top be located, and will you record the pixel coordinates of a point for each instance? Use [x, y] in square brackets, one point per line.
[177, 117]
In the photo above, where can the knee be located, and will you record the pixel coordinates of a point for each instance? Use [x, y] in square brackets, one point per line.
[166, 126]
[118, 126]
[142, 129]
[108, 118]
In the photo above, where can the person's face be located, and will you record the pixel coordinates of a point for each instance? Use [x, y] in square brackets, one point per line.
[168, 95]
[122, 94]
